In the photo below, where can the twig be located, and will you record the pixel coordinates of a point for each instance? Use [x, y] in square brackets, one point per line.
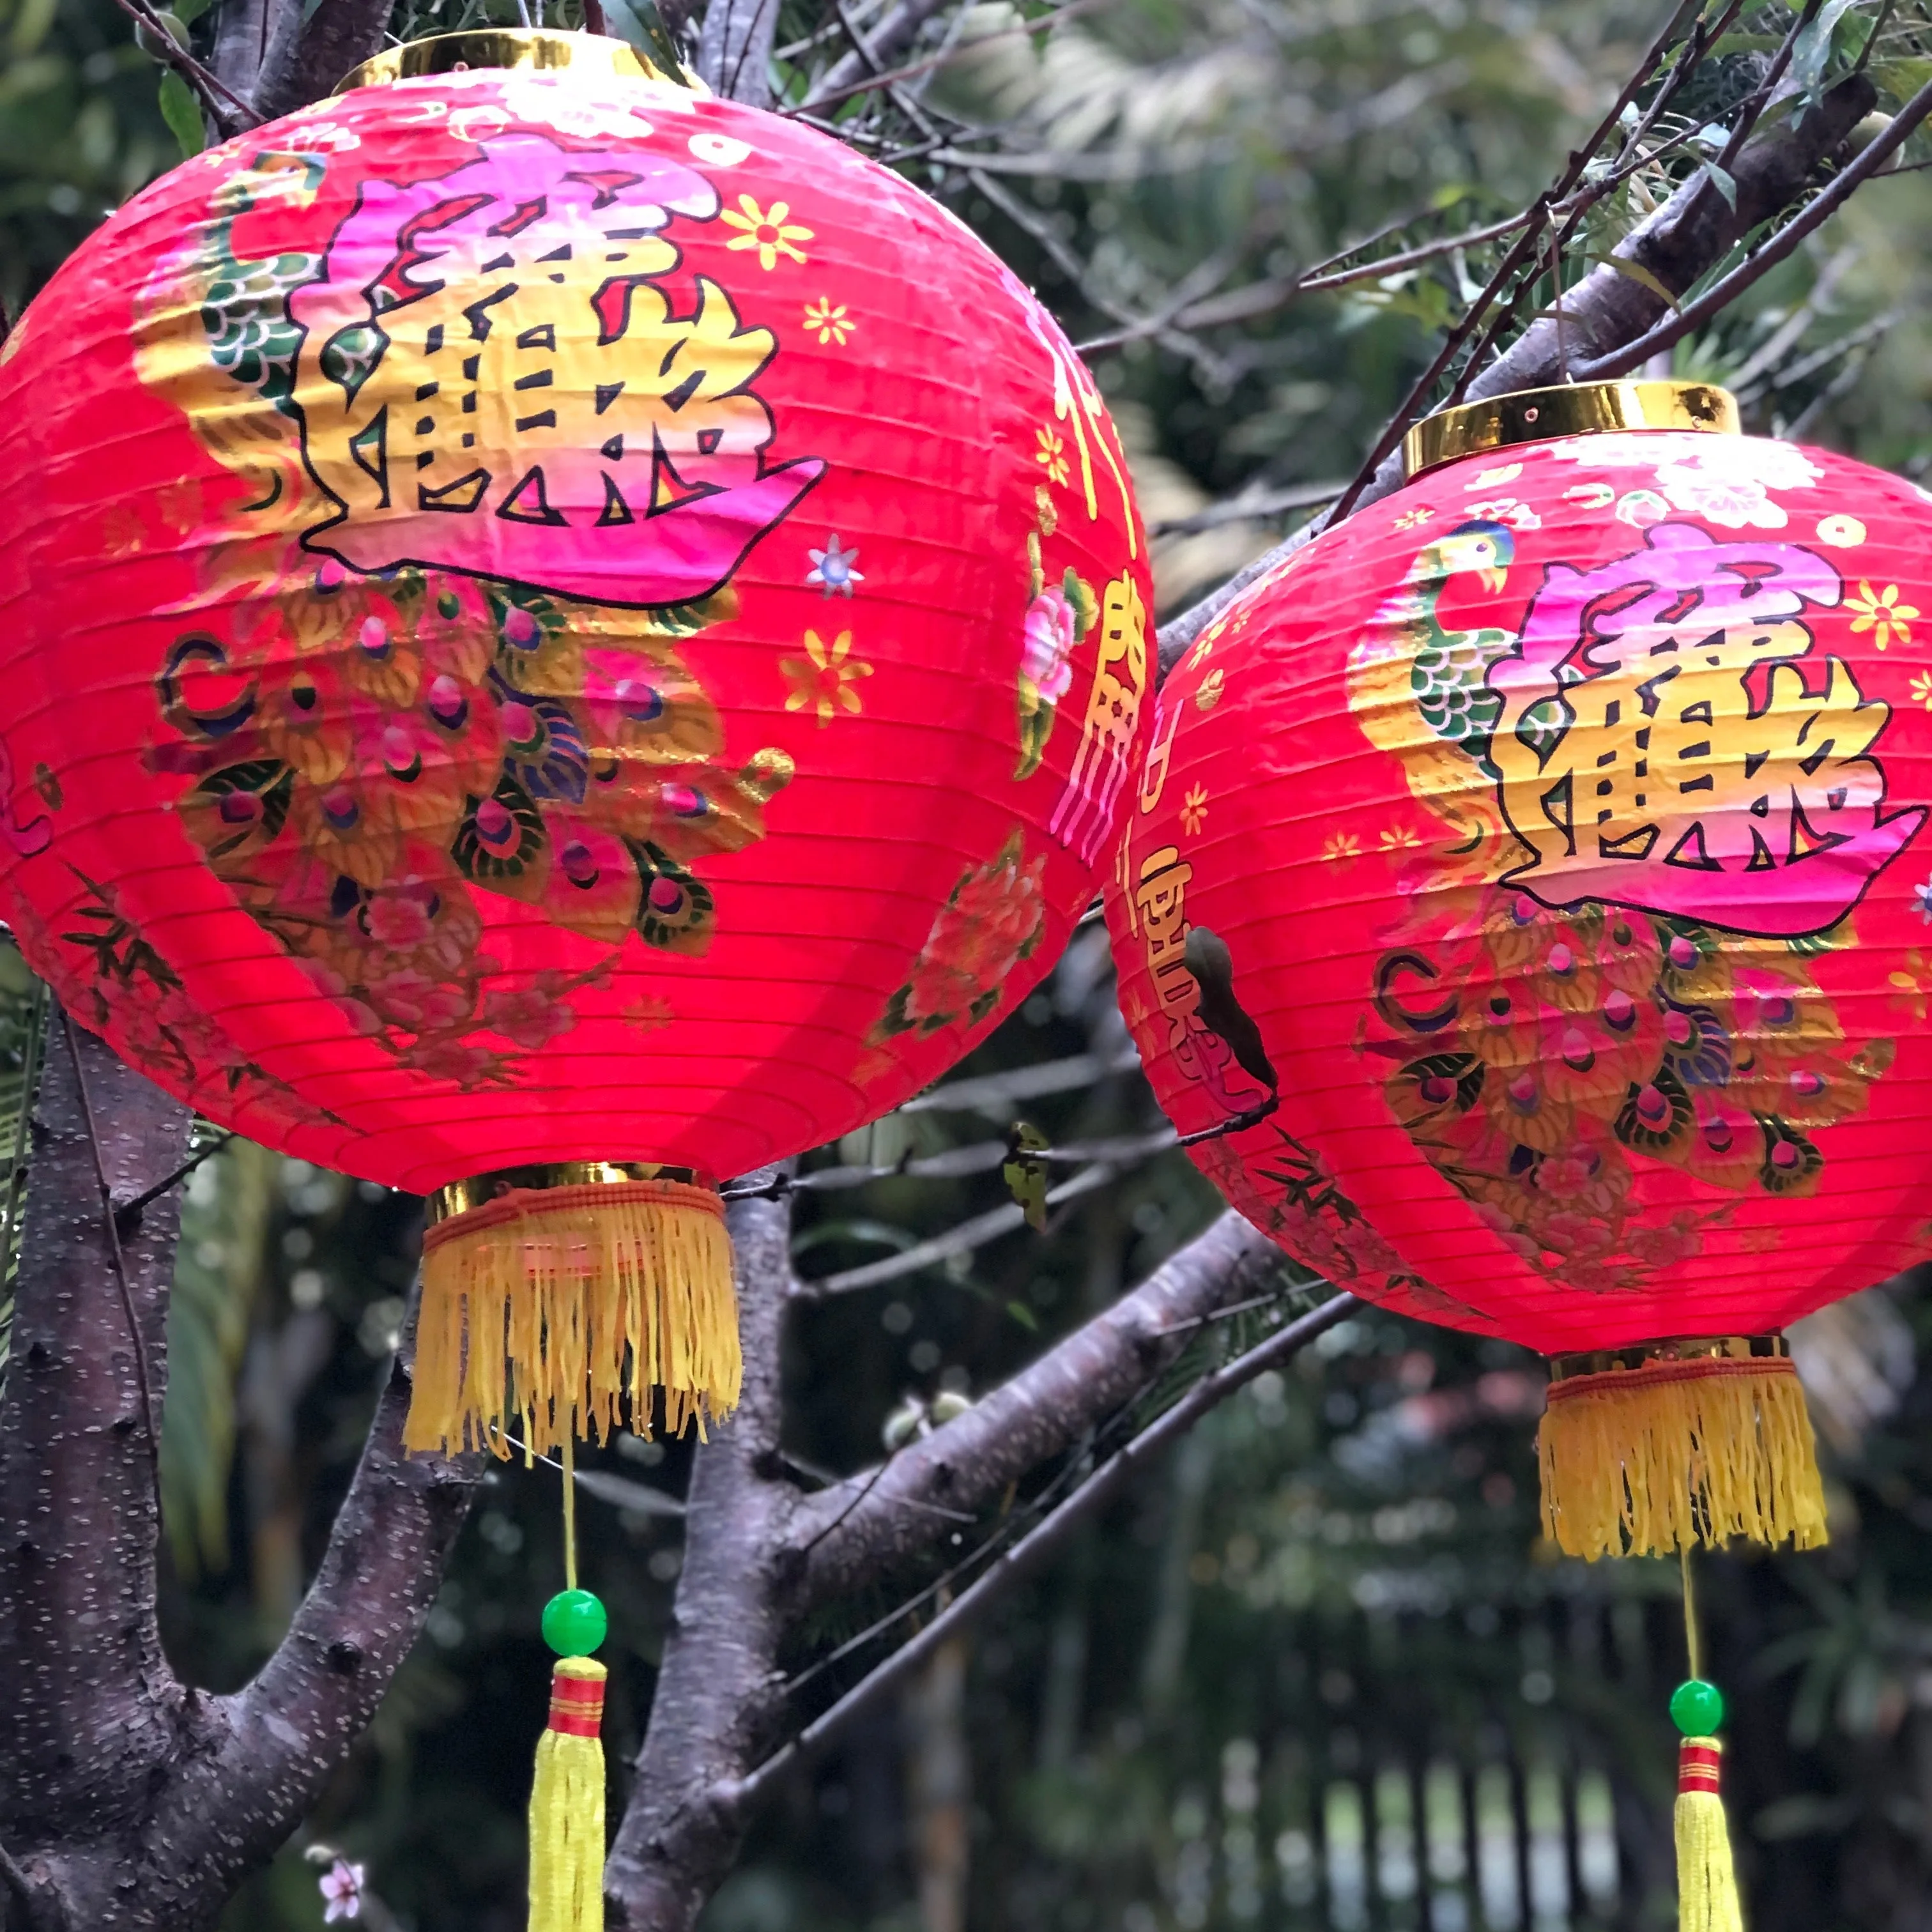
[112, 1222]
[1247, 507]
[129, 1209]
[912, 72]
[739, 1794]
[1749, 110]
[207, 84]
[969, 1235]
[1721, 294]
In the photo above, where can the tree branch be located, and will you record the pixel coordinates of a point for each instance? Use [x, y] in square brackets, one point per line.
[878, 1520]
[1683, 240]
[227, 1810]
[1042, 1541]
[712, 1710]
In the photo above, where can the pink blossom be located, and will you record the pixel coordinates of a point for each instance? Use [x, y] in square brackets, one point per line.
[342, 1891]
[1046, 662]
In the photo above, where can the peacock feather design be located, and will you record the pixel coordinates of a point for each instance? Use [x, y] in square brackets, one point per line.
[1542, 1059]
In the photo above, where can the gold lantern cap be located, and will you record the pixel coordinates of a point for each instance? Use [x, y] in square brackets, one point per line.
[1571, 409]
[535, 49]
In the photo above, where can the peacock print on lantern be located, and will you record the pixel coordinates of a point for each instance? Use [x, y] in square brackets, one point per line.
[528, 568]
[1558, 819]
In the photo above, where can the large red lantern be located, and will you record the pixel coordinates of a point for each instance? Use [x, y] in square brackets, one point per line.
[565, 638]
[1560, 820]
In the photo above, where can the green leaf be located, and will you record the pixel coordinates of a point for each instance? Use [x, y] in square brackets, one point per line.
[1724, 183]
[1637, 272]
[1024, 1316]
[1813, 52]
[182, 113]
[189, 11]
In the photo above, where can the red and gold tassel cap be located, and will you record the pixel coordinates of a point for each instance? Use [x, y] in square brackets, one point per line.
[1707, 1883]
[552, 1295]
[1648, 1450]
[567, 1801]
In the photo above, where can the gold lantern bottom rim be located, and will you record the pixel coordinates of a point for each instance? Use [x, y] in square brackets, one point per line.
[1706, 1354]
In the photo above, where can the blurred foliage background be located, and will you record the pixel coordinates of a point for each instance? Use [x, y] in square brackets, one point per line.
[1316, 1671]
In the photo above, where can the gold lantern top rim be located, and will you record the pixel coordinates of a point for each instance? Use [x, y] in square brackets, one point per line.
[533, 49]
[464, 1196]
[1569, 409]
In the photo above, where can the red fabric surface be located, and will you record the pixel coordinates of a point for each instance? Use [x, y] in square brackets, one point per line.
[546, 619]
[1563, 815]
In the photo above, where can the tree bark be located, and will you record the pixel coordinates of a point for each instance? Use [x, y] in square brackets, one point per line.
[713, 1712]
[130, 1802]
[89, 1710]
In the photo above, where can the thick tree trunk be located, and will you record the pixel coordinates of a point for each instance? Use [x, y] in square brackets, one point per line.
[90, 1715]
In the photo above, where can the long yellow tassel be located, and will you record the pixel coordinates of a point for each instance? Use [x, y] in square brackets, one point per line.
[567, 1794]
[1707, 1881]
[553, 1306]
[1645, 1461]
[567, 1804]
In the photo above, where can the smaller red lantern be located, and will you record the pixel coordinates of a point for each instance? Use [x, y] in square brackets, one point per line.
[1545, 844]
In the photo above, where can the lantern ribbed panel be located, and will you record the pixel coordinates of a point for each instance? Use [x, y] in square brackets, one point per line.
[694, 787]
[1563, 816]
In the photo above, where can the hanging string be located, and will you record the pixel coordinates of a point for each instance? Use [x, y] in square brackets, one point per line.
[570, 1521]
[1691, 1644]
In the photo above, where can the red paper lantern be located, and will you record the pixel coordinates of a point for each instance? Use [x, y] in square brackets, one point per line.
[563, 630]
[1561, 819]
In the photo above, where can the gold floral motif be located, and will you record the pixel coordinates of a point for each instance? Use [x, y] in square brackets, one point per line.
[830, 321]
[1051, 456]
[1194, 810]
[767, 230]
[1881, 613]
[825, 679]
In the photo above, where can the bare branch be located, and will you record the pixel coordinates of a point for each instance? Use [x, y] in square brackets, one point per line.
[230, 112]
[1721, 294]
[1039, 1413]
[1044, 1541]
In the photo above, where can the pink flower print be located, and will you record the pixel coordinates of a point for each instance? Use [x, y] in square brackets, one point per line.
[1564, 1176]
[417, 1003]
[362, 1018]
[400, 915]
[1046, 660]
[528, 1015]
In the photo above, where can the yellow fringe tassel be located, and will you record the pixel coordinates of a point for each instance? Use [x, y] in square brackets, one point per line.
[551, 1305]
[567, 1805]
[1642, 1462]
[1707, 1881]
